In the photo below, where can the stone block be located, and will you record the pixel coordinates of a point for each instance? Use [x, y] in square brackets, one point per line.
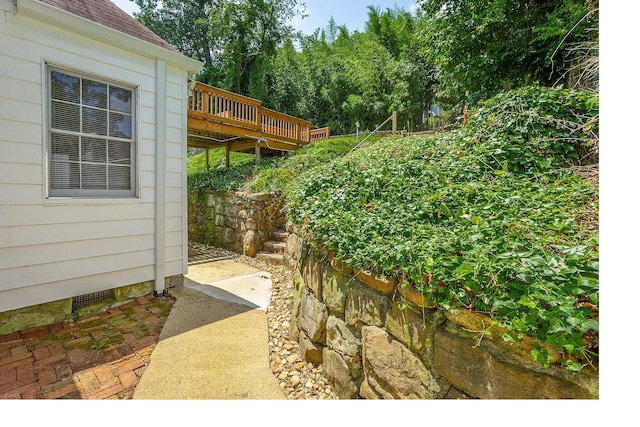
[365, 306]
[294, 330]
[345, 340]
[35, 315]
[456, 394]
[342, 338]
[233, 210]
[484, 370]
[229, 235]
[250, 244]
[392, 371]
[334, 289]
[337, 371]
[377, 281]
[338, 265]
[260, 197]
[413, 326]
[292, 251]
[298, 288]
[478, 323]
[133, 291]
[409, 292]
[312, 273]
[311, 352]
[230, 222]
[312, 317]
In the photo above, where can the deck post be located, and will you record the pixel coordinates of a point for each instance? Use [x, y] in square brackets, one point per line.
[206, 157]
[258, 152]
[227, 154]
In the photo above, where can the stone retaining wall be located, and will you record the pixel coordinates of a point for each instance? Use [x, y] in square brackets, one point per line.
[378, 339]
[236, 221]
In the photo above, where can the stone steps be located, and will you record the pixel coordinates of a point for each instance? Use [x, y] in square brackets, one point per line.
[280, 235]
[274, 246]
[273, 250]
[271, 258]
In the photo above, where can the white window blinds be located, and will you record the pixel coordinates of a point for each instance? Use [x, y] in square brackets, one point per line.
[91, 136]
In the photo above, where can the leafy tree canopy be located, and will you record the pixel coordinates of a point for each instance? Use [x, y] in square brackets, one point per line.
[483, 47]
[235, 39]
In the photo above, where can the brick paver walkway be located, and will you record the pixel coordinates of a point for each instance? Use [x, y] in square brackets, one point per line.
[97, 356]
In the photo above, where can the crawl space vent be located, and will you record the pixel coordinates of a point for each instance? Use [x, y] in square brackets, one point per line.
[92, 298]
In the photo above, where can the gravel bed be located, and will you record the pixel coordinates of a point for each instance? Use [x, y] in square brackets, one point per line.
[300, 380]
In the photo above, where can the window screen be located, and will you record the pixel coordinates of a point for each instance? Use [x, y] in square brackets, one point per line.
[91, 136]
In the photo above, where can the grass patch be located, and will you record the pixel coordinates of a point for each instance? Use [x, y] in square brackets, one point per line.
[273, 173]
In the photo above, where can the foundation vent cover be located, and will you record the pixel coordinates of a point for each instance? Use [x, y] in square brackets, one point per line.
[92, 298]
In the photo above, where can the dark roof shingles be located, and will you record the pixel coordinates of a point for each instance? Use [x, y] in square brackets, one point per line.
[108, 14]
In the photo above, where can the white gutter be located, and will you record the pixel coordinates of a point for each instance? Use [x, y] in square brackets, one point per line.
[52, 15]
[161, 101]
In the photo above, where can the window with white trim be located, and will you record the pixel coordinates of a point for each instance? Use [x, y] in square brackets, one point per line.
[92, 141]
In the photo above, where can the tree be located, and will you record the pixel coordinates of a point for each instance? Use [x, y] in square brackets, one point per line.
[332, 78]
[235, 39]
[481, 48]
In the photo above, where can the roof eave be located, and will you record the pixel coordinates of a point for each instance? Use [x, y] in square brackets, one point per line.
[50, 14]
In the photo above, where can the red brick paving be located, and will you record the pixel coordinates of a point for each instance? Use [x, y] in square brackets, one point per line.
[97, 356]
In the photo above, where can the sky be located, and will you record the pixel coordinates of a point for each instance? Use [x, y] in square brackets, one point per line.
[352, 13]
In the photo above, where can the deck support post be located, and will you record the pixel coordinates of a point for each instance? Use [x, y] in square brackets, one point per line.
[227, 154]
[206, 156]
[257, 152]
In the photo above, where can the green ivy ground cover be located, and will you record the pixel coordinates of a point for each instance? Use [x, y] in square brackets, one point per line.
[495, 217]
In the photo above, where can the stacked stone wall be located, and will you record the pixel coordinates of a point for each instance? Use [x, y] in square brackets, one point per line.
[379, 339]
[236, 221]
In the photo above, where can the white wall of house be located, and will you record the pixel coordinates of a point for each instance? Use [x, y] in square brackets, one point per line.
[54, 248]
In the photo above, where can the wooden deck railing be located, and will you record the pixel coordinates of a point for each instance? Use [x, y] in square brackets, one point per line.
[318, 134]
[221, 106]
[279, 124]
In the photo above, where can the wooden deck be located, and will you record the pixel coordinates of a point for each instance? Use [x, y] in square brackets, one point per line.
[219, 118]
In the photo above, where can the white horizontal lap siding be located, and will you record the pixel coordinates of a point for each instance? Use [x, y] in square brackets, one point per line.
[15, 134]
[21, 173]
[175, 168]
[75, 250]
[20, 129]
[36, 235]
[17, 88]
[51, 249]
[76, 268]
[26, 296]
[31, 216]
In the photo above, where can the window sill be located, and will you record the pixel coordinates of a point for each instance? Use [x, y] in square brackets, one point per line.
[66, 201]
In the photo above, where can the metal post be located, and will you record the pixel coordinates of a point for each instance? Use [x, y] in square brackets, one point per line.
[357, 131]
[394, 123]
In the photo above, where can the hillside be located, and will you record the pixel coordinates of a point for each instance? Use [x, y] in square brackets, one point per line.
[500, 216]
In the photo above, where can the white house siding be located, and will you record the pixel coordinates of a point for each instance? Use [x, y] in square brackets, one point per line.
[52, 249]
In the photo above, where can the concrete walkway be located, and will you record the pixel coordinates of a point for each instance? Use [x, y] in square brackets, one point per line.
[214, 344]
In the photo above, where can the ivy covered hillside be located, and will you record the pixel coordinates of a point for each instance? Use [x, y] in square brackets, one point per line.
[500, 216]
